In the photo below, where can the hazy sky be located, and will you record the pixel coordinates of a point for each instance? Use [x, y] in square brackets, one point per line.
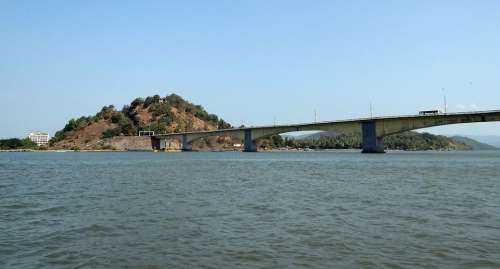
[248, 61]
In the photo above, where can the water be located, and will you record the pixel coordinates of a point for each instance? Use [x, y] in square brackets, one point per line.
[245, 210]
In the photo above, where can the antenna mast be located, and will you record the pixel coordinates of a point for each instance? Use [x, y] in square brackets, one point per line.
[445, 103]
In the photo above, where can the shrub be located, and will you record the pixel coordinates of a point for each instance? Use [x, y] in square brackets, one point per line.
[108, 147]
[16, 143]
[277, 141]
[201, 114]
[175, 100]
[106, 112]
[221, 124]
[137, 102]
[119, 118]
[12, 143]
[150, 100]
[128, 128]
[158, 127]
[28, 144]
[161, 109]
[168, 117]
[112, 132]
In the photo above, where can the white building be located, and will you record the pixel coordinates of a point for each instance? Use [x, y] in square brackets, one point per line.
[40, 138]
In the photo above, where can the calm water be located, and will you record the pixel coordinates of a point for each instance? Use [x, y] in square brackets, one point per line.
[246, 210]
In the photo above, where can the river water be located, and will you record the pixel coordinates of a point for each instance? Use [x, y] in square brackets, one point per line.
[250, 210]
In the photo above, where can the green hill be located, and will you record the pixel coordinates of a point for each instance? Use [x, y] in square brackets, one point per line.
[475, 145]
[410, 141]
[170, 114]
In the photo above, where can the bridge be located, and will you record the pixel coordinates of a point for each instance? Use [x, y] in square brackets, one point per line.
[372, 130]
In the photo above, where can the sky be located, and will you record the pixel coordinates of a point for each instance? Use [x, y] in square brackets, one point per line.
[250, 62]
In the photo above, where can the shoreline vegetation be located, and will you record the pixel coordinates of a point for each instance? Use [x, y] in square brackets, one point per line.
[228, 150]
[411, 141]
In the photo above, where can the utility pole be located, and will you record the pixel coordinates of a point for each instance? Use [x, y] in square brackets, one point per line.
[371, 110]
[315, 116]
[445, 103]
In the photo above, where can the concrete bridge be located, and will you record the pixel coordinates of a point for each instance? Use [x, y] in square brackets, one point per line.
[372, 130]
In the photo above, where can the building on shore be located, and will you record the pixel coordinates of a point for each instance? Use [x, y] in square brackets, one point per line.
[40, 138]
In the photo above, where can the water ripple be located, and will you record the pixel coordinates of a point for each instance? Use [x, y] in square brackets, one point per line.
[235, 210]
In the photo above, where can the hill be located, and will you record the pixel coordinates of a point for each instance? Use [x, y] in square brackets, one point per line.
[170, 114]
[402, 141]
[487, 139]
[475, 145]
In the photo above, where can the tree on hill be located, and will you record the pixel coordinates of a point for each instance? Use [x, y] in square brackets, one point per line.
[151, 100]
[137, 102]
[125, 126]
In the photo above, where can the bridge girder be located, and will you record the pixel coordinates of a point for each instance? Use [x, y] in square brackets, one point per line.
[391, 126]
[382, 127]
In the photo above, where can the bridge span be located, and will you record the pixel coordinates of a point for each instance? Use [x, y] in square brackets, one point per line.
[372, 130]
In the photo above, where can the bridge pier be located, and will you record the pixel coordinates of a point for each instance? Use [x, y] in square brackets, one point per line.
[371, 143]
[186, 145]
[250, 145]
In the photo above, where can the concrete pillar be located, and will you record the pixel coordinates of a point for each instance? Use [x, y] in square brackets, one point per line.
[250, 145]
[186, 145]
[371, 143]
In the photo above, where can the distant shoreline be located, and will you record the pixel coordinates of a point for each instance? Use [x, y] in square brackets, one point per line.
[269, 150]
[59, 151]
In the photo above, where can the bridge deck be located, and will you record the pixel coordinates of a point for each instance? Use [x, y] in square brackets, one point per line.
[360, 120]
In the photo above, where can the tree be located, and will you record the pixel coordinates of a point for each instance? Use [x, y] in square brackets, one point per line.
[112, 132]
[175, 100]
[221, 124]
[277, 141]
[15, 143]
[128, 129]
[106, 112]
[137, 102]
[149, 101]
[168, 117]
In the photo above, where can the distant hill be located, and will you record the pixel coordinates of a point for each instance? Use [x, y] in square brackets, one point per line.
[475, 145]
[402, 141]
[170, 114]
[487, 139]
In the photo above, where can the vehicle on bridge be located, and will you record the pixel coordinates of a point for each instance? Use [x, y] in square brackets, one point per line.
[430, 112]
